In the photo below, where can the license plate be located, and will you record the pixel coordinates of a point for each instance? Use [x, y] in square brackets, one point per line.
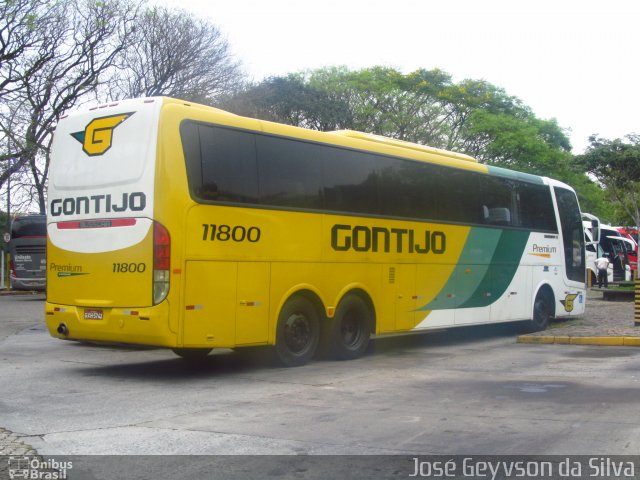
[93, 314]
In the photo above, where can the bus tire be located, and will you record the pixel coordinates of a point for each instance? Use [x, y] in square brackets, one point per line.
[297, 333]
[542, 311]
[349, 331]
[192, 354]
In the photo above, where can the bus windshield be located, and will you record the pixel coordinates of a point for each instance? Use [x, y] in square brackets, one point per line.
[31, 226]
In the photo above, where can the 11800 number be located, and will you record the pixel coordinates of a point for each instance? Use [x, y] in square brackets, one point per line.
[129, 267]
[226, 233]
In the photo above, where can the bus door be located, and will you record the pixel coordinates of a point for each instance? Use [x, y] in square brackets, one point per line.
[516, 299]
[404, 278]
[209, 303]
[434, 302]
[225, 303]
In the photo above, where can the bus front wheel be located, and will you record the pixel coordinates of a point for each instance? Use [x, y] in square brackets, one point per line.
[542, 311]
[297, 333]
[349, 331]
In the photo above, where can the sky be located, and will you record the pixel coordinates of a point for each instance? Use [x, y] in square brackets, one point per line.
[572, 60]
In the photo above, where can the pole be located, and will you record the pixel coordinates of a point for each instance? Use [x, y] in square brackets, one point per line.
[637, 286]
[8, 229]
[637, 252]
[2, 285]
[9, 199]
[637, 303]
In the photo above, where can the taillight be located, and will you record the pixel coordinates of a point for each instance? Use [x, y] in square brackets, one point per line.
[161, 262]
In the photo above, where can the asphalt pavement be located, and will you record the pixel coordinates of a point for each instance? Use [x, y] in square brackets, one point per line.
[605, 323]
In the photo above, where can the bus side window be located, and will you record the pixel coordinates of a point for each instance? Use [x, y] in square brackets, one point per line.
[496, 197]
[221, 163]
[228, 165]
[289, 172]
[536, 208]
[460, 196]
[350, 181]
[497, 215]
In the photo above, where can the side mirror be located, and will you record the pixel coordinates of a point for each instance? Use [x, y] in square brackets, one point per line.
[592, 223]
[595, 229]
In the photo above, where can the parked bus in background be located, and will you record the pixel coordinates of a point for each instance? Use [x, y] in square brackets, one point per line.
[184, 226]
[630, 232]
[27, 252]
[593, 250]
[617, 247]
[632, 248]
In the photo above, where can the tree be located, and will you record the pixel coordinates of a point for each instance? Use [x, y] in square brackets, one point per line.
[616, 166]
[174, 53]
[292, 100]
[21, 32]
[376, 100]
[70, 46]
[55, 56]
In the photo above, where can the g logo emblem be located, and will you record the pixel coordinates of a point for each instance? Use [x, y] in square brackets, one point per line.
[568, 302]
[97, 136]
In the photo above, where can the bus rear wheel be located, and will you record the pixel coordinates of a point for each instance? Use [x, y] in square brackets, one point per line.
[297, 333]
[349, 331]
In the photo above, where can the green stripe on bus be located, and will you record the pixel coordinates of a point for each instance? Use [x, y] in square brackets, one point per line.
[503, 267]
[486, 266]
[470, 271]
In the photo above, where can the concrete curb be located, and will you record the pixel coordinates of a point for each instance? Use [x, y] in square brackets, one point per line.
[11, 444]
[569, 340]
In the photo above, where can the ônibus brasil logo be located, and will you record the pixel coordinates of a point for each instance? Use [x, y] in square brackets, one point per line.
[97, 136]
[37, 468]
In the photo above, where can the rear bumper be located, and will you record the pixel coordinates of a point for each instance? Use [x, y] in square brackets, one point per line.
[142, 326]
[28, 283]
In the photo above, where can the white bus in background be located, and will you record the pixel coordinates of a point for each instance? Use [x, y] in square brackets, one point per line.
[617, 247]
[592, 249]
[609, 243]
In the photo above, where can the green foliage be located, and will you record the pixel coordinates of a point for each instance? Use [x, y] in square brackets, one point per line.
[614, 162]
[593, 199]
[616, 166]
[424, 106]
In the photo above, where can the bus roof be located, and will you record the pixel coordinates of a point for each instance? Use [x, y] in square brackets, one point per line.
[370, 137]
[375, 141]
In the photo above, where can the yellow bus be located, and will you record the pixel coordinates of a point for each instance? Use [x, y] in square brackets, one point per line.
[184, 226]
